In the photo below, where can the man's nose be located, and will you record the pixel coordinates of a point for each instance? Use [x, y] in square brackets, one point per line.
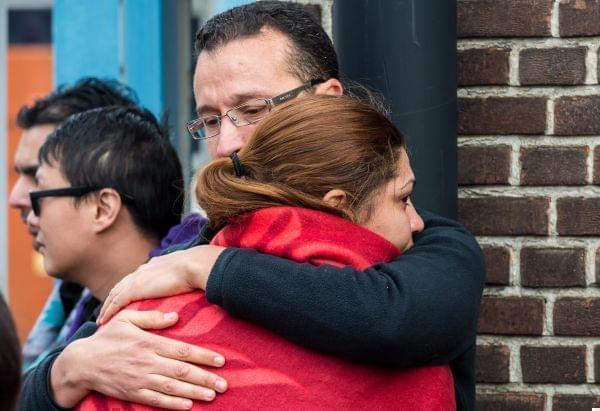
[19, 195]
[231, 138]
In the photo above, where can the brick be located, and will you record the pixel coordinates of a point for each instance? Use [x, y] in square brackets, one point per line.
[492, 363]
[497, 263]
[577, 316]
[487, 67]
[577, 115]
[510, 401]
[484, 165]
[597, 364]
[579, 18]
[502, 115]
[553, 267]
[598, 267]
[578, 216]
[492, 18]
[557, 66]
[564, 402]
[511, 315]
[547, 165]
[567, 365]
[505, 215]
[597, 165]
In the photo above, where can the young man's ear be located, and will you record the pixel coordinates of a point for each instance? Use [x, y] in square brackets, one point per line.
[335, 198]
[332, 87]
[107, 205]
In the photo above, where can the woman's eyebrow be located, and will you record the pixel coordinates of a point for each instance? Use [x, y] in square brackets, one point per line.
[412, 181]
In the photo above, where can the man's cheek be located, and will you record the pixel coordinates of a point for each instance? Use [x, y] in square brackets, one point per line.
[212, 147]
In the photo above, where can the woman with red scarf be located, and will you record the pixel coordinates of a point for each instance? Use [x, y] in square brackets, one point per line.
[324, 180]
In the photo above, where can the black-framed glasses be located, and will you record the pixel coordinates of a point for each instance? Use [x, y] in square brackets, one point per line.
[35, 196]
[246, 113]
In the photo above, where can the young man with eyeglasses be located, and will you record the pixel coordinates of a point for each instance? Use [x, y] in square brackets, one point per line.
[420, 309]
[37, 121]
[99, 207]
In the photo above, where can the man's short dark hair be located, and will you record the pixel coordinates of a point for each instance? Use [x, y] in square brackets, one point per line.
[10, 359]
[88, 93]
[313, 55]
[124, 148]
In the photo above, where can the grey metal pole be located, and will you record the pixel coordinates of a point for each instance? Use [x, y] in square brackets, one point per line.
[3, 149]
[406, 49]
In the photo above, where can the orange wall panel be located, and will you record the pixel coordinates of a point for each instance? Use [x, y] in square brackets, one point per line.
[29, 77]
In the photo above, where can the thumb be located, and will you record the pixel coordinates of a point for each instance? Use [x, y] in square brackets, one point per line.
[148, 320]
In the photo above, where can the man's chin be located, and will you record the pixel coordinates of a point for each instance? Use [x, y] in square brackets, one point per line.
[51, 271]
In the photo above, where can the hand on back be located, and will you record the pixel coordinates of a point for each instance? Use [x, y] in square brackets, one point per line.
[123, 361]
[167, 275]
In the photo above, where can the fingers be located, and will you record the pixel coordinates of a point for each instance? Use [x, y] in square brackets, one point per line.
[159, 400]
[177, 350]
[174, 387]
[148, 320]
[116, 300]
[186, 380]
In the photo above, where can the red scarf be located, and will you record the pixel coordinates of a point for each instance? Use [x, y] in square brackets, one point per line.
[266, 371]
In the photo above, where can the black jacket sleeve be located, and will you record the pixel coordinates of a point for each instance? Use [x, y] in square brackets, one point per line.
[36, 393]
[419, 309]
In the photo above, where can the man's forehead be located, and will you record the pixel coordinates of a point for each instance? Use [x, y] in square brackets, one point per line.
[37, 135]
[250, 67]
[29, 145]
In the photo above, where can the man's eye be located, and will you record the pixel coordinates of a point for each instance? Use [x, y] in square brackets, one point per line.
[211, 121]
[252, 111]
[405, 199]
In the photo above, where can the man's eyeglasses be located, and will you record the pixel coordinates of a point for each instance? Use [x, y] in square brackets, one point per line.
[247, 113]
[35, 196]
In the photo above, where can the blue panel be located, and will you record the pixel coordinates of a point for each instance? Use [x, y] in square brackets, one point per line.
[144, 51]
[85, 36]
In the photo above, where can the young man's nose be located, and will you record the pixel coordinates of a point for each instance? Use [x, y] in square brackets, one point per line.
[33, 220]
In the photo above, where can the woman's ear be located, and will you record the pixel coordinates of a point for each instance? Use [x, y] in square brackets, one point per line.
[107, 206]
[335, 198]
[332, 87]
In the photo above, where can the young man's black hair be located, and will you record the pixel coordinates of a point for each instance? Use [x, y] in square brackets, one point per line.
[86, 94]
[312, 56]
[123, 148]
[10, 359]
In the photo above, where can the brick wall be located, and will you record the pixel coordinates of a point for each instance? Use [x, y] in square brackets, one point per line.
[529, 175]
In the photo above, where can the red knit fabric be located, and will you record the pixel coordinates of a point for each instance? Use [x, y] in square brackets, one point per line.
[266, 371]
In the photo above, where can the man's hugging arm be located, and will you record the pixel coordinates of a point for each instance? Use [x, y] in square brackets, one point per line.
[36, 392]
[419, 309]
